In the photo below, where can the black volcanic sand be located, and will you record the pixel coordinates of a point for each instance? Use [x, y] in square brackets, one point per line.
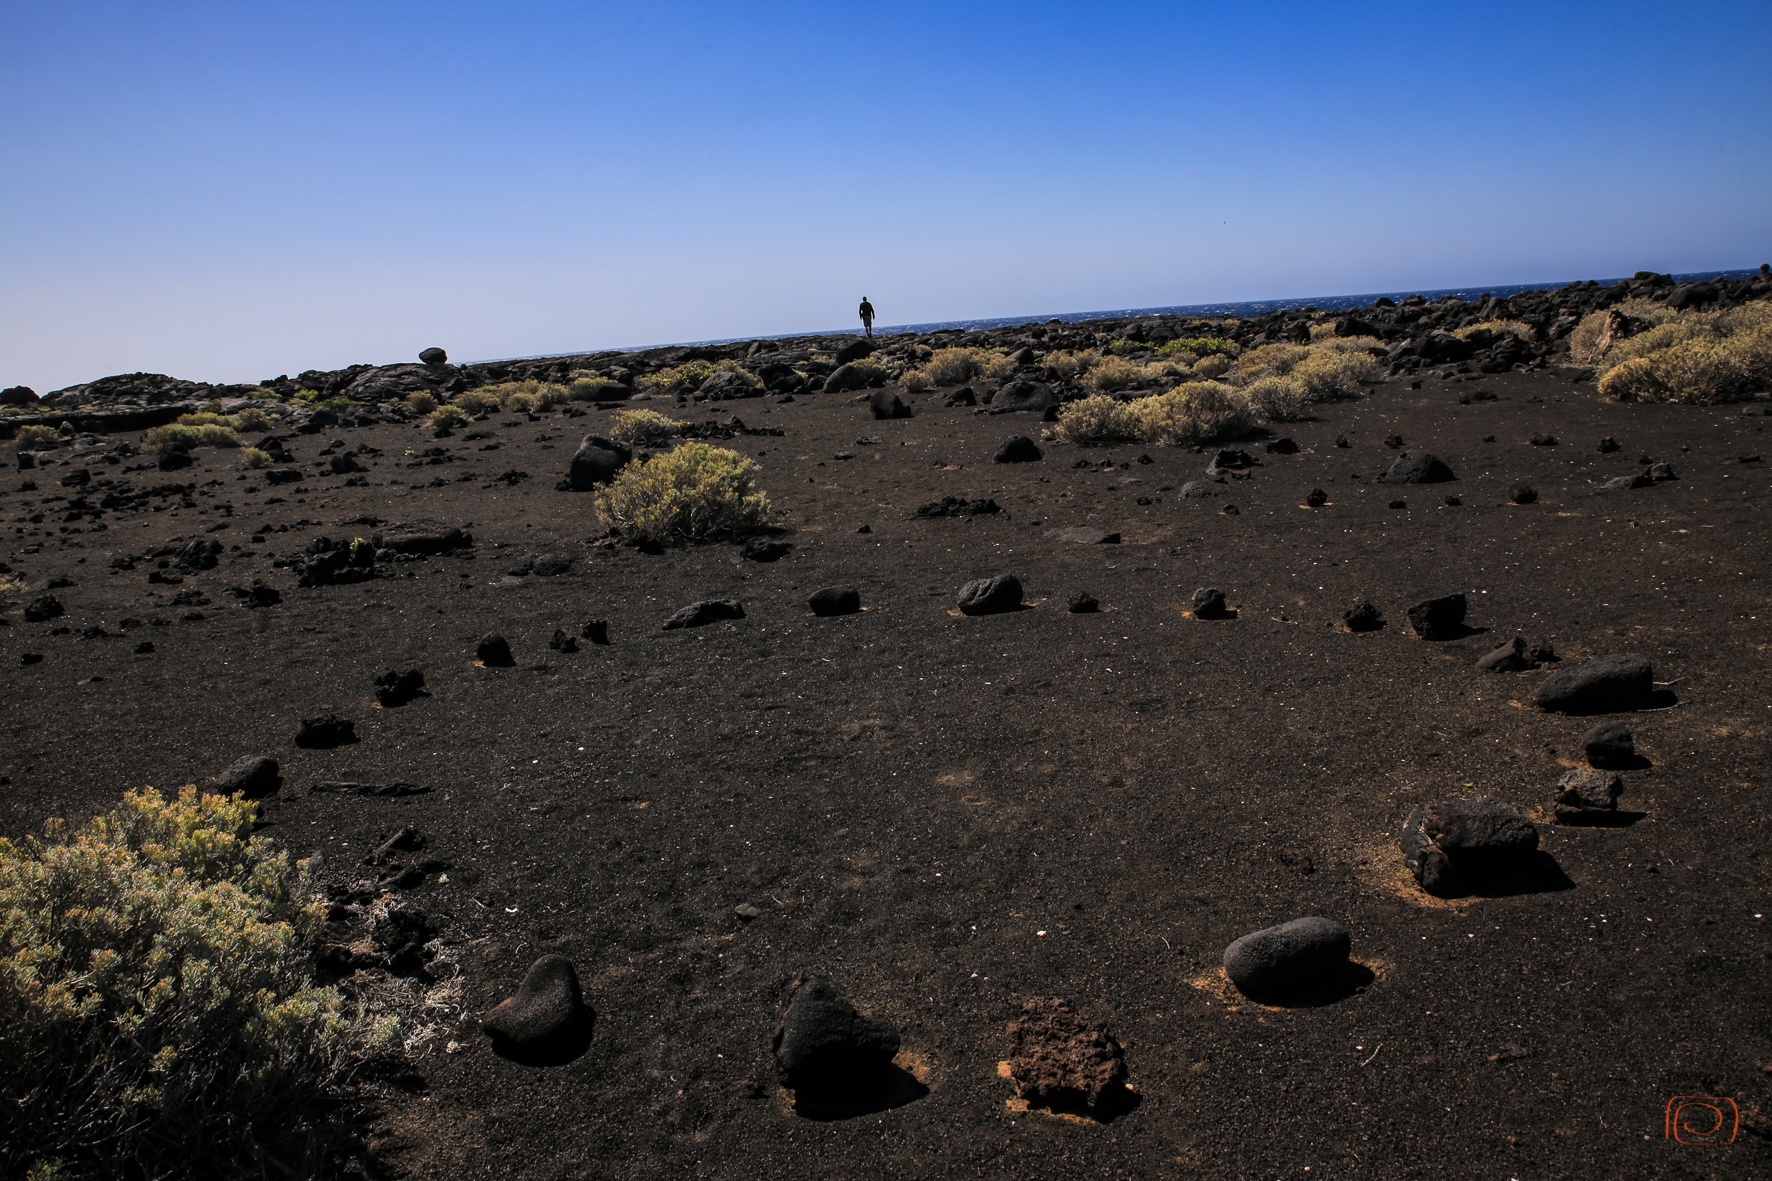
[945, 815]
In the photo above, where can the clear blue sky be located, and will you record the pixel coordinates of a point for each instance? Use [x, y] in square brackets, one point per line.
[230, 191]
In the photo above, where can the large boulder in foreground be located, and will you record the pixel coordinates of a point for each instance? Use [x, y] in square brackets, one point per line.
[1417, 467]
[1605, 684]
[1295, 959]
[596, 461]
[1462, 845]
[1059, 1060]
[1018, 396]
[547, 1023]
[991, 596]
[833, 1058]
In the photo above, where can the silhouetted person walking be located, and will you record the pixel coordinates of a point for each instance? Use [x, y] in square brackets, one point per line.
[867, 316]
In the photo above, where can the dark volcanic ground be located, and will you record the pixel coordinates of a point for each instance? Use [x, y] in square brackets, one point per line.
[948, 815]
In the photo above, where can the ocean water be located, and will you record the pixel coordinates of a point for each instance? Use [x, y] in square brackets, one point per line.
[1328, 303]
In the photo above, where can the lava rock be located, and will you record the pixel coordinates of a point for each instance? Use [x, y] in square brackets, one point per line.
[1317, 498]
[1438, 619]
[1605, 684]
[494, 651]
[176, 459]
[705, 612]
[345, 464]
[990, 596]
[1462, 844]
[961, 397]
[1282, 446]
[1417, 467]
[1610, 746]
[1198, 489]
[563, 641]
[1059, 1060]
[1300, 958]
[596, 631]
[1608, 445]
[1084, 603]
[855, 350]
[844, 378]
[1208, 603]
[18, 395]
[1019, 449]
[1084, 535]
[1523, 493]
[394, 689]
[835, 600]
[43, 609]
[1587, 795]
[325, 732]
[764, 549]
[1020, 395]
[425, 544]
[272, 475]
[1362, 616]
[433, 356]
[823, 1044]
[1230, 460]
[956, 506]
[597, 461]
[1511, 657]
[886, 404]
[547, 1022]
[1626, 483]
[254, 776]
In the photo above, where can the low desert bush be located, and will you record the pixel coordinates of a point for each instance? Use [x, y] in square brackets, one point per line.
[158, 1012]
[37, 438]
[1278, 399]
[479, 401]
[960, 364]
[1068, 364]
[209, 434]
[450, 415]
[254, 458]
[519, 397]
[1212, 366]
[1719, 357]
[1196, 412]
[249, 419]
[594, 387]
[1588, 342]
[421, 402]
[1117, 373]
[693, 492]
[1097, 419]
[1333, 374]
[1199, 346]
[644, 428]
[677, 379]
[1520, 329]
[1268, 360]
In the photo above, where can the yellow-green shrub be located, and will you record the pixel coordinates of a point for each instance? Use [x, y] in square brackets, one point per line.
[590, 387]
[953, 366]
[1585, 340]
[677, 379]
[1277, 399]
[643, 428]
[37, 438]
[1197, 412]
[421, 401]
[1333, 374]
[1520, 329]
[1268, 360]
[1115, 373]
[1199, 346]
[694, 492]
[450, 415]
[1212, 366]
[209, 434]
[1699, 370]
[158, 1012]
[1067, 364]
[254, 458]
[1097, 419]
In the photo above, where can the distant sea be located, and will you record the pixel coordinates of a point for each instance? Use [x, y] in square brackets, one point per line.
[1257, 307]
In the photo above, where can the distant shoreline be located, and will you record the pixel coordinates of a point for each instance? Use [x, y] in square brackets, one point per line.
[1244, 308]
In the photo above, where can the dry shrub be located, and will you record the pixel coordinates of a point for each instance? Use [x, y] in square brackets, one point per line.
[644, 428]
[448, 416]
[1068, 364]
[1698, 358]
[677, 379]
[254, 458]
[1212, 366]
[694, 492]
[421, 402]
[1519, 328]
[1334, 375]
[158, 1011]
[1097, 419]
[37, 437]
[209, 434]
[1268, 360]
[1197, 412]
[1586, 339]
[519, 397]
[1198, 346]
[481, 401]
[960, 364]
[915, 381]
[593, 387]
[1117, 373]
[1278, 399]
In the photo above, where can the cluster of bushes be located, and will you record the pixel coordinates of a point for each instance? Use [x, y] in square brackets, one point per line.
[644, 428]
[1193, 412]
[37, 438]
[319, 400]
[691, 493]
[1699, 358]
[159, 1015]
[207, 429]
[1589, 341]
[1281, 381]
[956, 366]
[1495, 328]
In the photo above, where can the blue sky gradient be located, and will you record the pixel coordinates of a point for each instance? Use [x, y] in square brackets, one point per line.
[230, 191]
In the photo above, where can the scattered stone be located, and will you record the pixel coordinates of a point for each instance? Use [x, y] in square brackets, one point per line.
[394, 689]
[1608, 445]
[824, 1046]
[1084, 603]
[1394, 442]
[1465, 844]
[955, 506]
[325, 732]
[494, 651]
[855, 350]
[1230, 510]
[43, 609]
[1341, 441]
[1061, 1061]
[257, 596]
[563, 641]
[254, 776]
[387, 790]
[1282, 446]
[596, 631]
[1084, 535]
[1438, 619]
[343, 465]
[886, 404]
[1605, 684]
[1198, 489]
[434, 356]
[425, 544]
[1317, 498]
[747, 912]
[1522, 493]
[1362, 616]
[1230, 460]
[835, 600]
[18, 395]
[1542, 440]
[1302, 958]
[705, 612]
[1510, 657]
[144, 648]
[1417, 467]
[990, 596]
[1398, 504]
[764, 549]
[547, 1022]
[1626, 483]
[30, 658]
[272, 475]
[962, 397]
[1019, 449]
[1659, 472]
[1586, 795]
[1610, 746]
[1020, 395]
[597, 461]
[1208, 603]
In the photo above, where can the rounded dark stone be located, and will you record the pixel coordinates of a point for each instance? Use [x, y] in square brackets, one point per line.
[1208, 603]
[547, 1022]
[254, 776]
[1438, 619]
[705, 612]
[1617, 681]
[597, 461]
[1610, 746]
[1523, 493]
[1463, 844]
[835, 600]
[1018, 449]
[434, 356]
[989, 596]
[325, 732]
[1304, 956]
[824, 1042]
[1084, 603]
[886, 404]
[1417, 467]
[1362, 616]
[494, 651]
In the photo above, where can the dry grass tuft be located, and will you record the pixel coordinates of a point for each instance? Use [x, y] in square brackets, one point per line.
[956, 366]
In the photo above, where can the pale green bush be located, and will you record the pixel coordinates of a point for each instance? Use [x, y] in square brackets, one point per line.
[1278, 399]
[1197, 412]
[959, 364]
[644, 428]
[37, 438]
[208, 434]
[421, 402]
[254, 458]
[677, 379]
[1097, 419]
[450, 415]
[1334, 375]
[692, 493]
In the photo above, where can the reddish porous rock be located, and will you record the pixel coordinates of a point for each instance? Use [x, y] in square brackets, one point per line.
[1060, 1060]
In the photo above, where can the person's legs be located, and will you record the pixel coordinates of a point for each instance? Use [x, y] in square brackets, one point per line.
[867, 326]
